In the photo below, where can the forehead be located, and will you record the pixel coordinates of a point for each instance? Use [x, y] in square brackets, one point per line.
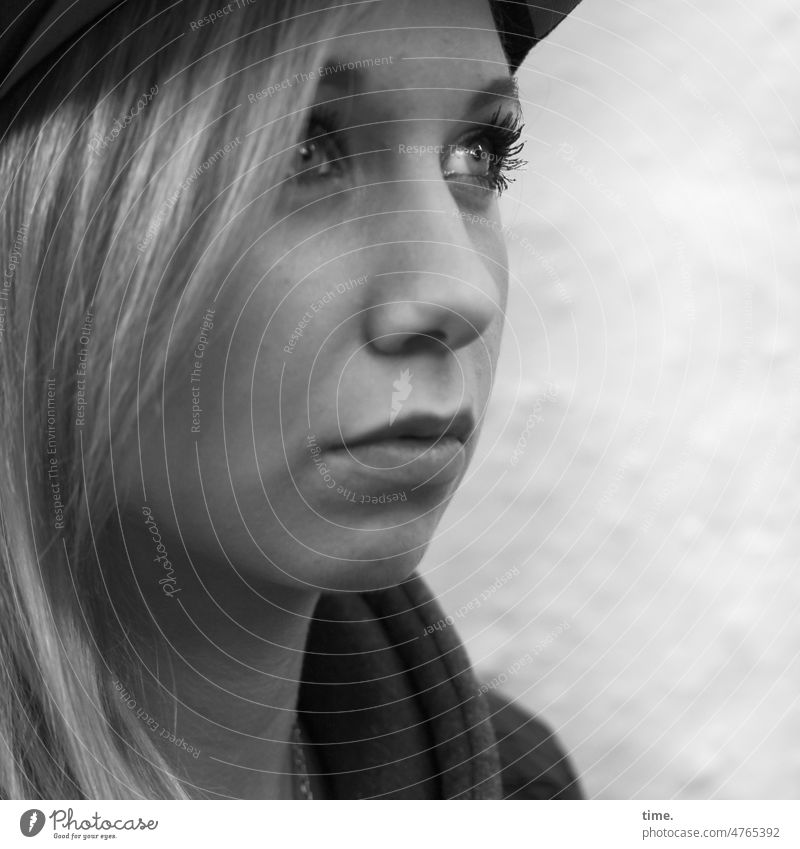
[417, 44]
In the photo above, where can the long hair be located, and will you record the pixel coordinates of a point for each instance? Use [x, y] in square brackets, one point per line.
[110, 165]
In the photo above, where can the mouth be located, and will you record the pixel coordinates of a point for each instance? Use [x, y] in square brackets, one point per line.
[418, 450]
[419, 427]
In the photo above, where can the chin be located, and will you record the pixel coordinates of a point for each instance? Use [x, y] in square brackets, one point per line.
[361, 562]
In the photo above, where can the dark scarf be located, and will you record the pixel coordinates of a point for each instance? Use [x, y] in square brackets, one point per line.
[395, 712]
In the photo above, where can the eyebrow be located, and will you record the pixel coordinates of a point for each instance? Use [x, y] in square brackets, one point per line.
[339, 75]
[500, 87]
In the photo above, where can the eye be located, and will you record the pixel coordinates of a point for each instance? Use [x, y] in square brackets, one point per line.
[487, 156]
[318, 155]
[470, 160]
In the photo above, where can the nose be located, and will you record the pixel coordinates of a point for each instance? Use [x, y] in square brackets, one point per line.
[432, 286]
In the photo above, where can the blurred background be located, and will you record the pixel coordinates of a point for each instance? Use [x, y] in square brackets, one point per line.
[628, 535]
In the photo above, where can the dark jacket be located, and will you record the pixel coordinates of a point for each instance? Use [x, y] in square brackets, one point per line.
[393, 708]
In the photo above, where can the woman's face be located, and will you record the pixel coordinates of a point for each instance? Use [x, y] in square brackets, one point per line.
[355, 336]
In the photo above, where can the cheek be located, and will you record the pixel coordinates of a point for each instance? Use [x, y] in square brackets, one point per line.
[254, 387]
[485, 352]
[492, 246]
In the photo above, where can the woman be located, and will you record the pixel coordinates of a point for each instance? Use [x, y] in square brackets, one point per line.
[252, 308]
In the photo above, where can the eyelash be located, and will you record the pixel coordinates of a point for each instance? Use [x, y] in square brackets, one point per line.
[503, 132]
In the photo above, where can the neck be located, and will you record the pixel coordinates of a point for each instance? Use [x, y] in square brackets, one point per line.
[221, 678]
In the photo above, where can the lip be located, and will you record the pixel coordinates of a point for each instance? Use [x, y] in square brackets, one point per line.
[422, 426]
[416, 451]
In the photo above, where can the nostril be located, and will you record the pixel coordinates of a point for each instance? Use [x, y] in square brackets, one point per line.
[414, 342]
[433, 310]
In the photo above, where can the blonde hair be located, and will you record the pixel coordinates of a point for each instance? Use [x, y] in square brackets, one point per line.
[94, 159]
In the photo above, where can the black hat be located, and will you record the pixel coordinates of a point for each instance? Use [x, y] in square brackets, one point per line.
[30, 30]
[522, 25]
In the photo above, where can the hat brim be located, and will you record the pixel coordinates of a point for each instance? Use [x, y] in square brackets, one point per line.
[30, 30]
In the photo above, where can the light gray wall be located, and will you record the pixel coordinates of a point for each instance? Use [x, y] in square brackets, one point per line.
[652, 364]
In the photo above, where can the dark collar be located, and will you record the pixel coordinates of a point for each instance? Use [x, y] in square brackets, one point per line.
[394, 711]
